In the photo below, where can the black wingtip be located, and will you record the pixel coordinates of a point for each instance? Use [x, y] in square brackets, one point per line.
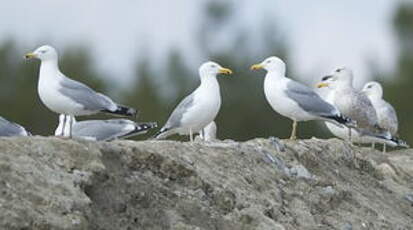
[400, 142]
[343, 120]
[124, 111]
[143, 127]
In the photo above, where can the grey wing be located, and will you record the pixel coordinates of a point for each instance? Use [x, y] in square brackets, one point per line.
[103, 130]
[364, 112]
[8, 129]
[309, 100]
[82, 94]
[176, 116]
[389, 119]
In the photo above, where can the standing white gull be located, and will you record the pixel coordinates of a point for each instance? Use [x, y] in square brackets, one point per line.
[66, 96]
[8, 129]
[209, 133]
[386, 114]
[353, 103]
[293, 99]
[102, 130]
[343, 132]
[199, 108]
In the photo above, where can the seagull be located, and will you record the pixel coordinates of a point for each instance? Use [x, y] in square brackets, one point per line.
[102, 130]
[343, 132]
[293, 99]
[198, 109]
[65, 96]
[209, 133]
[353, 103]
[8, 129]
[386, 114]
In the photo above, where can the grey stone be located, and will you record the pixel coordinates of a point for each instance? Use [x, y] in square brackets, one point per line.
[409, 197]
[347, 226]
[278, 145]
[300, 171]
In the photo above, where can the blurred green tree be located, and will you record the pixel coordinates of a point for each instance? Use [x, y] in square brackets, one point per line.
[244, 114]
[398, 90]
[144, 94]
[156, 91]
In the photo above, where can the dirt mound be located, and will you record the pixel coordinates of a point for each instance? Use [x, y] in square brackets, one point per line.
[49, 183]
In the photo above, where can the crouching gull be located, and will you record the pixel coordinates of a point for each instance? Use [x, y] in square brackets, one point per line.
[356, 137]
[102, 130]
[293, 99]
[353, 103]
[199, 108]
[8, 129]
[66, 96]
[209, 133]
[386, 114]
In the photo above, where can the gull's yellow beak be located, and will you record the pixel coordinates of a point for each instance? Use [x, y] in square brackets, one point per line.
[30, 55]
[225, 71]
[322, 85]
[257, 67]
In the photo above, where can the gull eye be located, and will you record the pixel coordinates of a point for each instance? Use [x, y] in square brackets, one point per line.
[370, 86]
[43, 51]
[338, 70]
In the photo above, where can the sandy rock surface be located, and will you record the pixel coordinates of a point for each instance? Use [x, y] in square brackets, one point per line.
[51, 183]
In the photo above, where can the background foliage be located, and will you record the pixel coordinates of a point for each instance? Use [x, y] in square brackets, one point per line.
[156, 91]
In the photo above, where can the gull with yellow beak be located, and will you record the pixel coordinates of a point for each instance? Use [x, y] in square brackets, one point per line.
[293, 99]
[199, 108]
[65, 96]
[353, 103]
[345, 132]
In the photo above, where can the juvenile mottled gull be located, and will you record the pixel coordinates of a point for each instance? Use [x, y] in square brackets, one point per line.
[199, 108]
[209, 133]
[102, 130]
[8, 129]
[293, 99]
[66, 96]
[343, 132]
[353, 103]
[386, 114]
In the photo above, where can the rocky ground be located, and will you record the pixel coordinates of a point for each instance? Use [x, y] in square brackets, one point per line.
[50, 183]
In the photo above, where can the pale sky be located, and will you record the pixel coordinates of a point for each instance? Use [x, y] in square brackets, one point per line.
[322, 34]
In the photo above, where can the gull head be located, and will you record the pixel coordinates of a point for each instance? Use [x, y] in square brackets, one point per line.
[340, 76]
[373, 89]
[271, 64]
[43, 53]
[212, 69]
